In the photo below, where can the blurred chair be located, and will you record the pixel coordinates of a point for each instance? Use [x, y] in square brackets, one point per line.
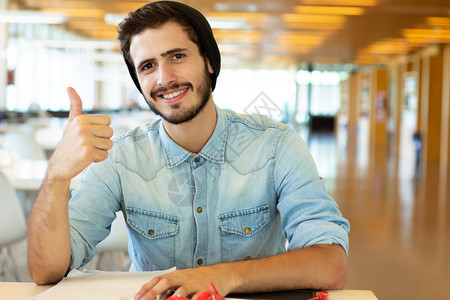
[49, 137]
[115, 243]
[23, 144]
[12, 228]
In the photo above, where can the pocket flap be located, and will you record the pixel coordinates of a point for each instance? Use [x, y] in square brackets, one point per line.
[245, 222]
[150, 224]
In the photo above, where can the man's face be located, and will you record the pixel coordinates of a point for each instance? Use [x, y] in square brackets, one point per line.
[173, 75]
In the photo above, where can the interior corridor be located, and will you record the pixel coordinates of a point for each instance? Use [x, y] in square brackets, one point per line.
[400, 228]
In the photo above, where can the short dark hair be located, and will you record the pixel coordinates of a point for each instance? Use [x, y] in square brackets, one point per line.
[158, 13]
[152, 15]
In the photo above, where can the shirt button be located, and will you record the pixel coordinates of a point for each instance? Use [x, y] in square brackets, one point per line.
[247, 229]
[151, 232]
[199, 209]
[199, 261]
[196, 159]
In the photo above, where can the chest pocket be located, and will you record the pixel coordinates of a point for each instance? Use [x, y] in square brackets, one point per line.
[155, 238]
[241, 232]
[152, 225]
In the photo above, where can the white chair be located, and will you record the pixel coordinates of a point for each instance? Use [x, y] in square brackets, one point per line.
[23, 144]
[115, 242]
[13, 228]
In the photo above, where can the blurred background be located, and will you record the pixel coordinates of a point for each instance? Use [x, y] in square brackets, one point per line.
[366, 83]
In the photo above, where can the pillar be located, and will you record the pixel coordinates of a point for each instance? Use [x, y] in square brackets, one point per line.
[379, 108]
[431, 107]
[378, 115]
[445, 122]
[397, 71]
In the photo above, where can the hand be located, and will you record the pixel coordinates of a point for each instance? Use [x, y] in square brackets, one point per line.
[86, 139]
[188, 282]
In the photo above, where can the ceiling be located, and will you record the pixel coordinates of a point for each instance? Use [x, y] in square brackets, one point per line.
[280, 32]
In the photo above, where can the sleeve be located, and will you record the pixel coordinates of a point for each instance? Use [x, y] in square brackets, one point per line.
[92, 209]
[309, 216]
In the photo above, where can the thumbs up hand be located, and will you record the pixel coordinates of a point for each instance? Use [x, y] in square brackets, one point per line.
[86, 139]
[76, 106]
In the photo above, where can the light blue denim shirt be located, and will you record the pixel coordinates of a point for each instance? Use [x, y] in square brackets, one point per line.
[253, 191]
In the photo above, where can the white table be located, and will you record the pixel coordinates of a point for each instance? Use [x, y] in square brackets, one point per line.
[25, 290]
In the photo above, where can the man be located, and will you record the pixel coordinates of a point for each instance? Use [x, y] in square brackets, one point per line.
[193, 194]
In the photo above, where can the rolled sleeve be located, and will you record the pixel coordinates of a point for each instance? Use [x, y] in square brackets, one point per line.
[309, 216]
[92, 209]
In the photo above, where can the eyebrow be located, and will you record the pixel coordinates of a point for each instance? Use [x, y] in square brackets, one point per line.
[164, 54]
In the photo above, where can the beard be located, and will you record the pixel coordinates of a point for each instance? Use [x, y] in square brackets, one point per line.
[179, 115]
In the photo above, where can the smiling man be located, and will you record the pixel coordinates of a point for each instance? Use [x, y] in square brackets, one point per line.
[247, 217]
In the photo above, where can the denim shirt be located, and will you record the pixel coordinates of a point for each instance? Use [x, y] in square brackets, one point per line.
[253, 191]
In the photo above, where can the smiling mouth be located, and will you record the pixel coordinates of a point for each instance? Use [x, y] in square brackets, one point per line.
[174, 94]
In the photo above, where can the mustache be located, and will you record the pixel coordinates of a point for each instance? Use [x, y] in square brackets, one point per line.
[163, 89]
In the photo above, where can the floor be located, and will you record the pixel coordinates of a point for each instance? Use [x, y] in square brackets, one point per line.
[400, 219]
[400, 223]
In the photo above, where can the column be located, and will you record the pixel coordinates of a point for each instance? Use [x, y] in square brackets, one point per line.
[353, 110]
[378, 114]
[431, 106]
[397, 71]
[445, 124]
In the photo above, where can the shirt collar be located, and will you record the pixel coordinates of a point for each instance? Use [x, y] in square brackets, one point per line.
[214, 150]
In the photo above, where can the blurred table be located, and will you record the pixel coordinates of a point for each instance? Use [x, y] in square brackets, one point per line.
[27, 175]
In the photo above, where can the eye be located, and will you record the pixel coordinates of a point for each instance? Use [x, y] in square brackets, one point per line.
[178, 56]
[147, 66]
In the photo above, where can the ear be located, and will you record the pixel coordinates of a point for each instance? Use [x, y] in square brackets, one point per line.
[210, 69]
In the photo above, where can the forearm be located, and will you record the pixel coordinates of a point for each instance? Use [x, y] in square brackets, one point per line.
[49, 241]
[317, 267]
[86, 139]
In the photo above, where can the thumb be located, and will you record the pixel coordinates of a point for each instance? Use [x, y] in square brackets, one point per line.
[76, 106]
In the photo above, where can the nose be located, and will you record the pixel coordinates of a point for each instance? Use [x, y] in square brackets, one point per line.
[166, 75]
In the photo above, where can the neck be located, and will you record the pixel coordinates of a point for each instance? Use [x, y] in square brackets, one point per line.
[194, 134]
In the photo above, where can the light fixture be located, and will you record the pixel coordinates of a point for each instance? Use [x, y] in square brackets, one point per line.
[248, 36]
[313, 18]
[227, 23]
[79, 44]
[330, 10]
[114, 19]
[236, 7]
[33, 17]
[341, 2]
[438, 21]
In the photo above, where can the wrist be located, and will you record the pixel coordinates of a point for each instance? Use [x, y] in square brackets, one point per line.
[55, 180]
[234, 279]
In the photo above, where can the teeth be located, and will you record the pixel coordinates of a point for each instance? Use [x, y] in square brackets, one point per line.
[170, 96]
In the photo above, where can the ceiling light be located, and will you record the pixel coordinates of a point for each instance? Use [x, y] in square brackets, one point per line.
[330, 10]
[438, 21]
[77, 12]
[236, 7]
[114, 19]
[18, 16]
[249, 36]
[315, 26]
[313, 18]
[79, 44]
[341, 2]
[227, 23]
[237, 15]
